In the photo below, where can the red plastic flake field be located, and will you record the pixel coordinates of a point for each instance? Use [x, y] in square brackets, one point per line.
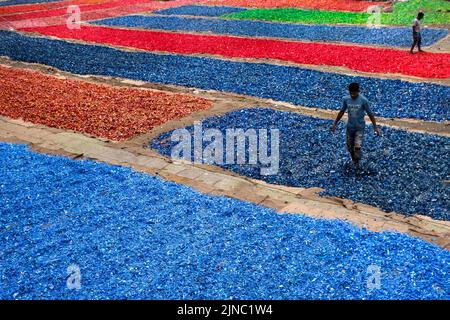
[337, 5]
[115, 113]
[46, 6]
[63, 11]
[373, 60]
[58, 16]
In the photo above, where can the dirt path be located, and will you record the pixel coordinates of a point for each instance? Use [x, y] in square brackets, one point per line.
[225, 102]
[216, 181]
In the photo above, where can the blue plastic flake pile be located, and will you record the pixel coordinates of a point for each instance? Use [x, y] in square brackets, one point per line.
[389, 36]
[203, 11]
[133, 236]
[401, 171]
[390, 98]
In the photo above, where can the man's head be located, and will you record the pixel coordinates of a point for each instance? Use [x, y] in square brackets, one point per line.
[353, 88]
[420, 15]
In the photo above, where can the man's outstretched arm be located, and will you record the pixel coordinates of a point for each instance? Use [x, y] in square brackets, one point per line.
[338, 118]
[374, 122]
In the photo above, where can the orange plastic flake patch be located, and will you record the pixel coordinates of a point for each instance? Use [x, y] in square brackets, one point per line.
[115, 113]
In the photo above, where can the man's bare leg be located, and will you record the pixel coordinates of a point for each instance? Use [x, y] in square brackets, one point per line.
[419, 45]
[351, 145]
[357, 156]
[413, 45]
[358, 141]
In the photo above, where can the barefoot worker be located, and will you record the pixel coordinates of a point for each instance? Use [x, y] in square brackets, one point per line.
[417, 35]
[357, 106]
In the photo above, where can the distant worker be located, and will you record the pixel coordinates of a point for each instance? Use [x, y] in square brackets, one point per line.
[417, 35]
[357, 106]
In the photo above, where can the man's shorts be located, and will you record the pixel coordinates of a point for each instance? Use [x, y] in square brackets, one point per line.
[354, 139]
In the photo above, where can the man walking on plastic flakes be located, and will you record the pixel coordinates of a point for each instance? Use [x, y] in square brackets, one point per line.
[417, 32]
[357, 106]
